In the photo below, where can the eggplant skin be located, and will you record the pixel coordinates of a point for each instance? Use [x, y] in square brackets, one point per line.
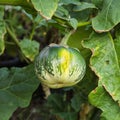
[60, 66]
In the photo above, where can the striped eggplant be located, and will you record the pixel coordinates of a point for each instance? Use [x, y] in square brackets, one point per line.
[60, 66]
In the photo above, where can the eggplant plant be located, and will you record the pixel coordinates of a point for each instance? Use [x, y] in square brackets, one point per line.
[64, 53]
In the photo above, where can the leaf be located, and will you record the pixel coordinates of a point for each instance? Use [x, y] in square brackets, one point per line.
[101, 99]
[73, 22]
[63, 17]
[108, 17]
[98, 3]
[66, 2]
[77, 101]
[104, 62]
[76, 38]
[69, 115]
[29, 11]
[62, 13]
[29, 48]
[2, 30]
[46, 7]
[83, 6]
[56, 102]
[117, 47]
[16, 88]
[61, 107]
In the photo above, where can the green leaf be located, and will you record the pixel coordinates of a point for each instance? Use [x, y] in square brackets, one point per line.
[62, 13]
[77, 101]
[69, 115]
[101, 99]
[56, 102]
[117, 47]
[61, 107]
[45, 7]
[76, 38]
[66, 2]
[73, 22]
[29, 48]
[108, 17]
[64, 19]
[2, 30]
[16, 88]
[83, 6]
[104, 62]
[30, 12]
[98, 3]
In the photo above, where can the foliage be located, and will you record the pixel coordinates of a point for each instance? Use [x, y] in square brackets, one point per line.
[92, 26]
[29, 48]
[16, 88]
[2, 31]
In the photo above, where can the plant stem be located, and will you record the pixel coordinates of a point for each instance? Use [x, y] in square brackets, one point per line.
[66, 37]
[80, 24]
[58, 118]
[85, 110]
[46, 90]
[13, 36]
[16, 3]
[33, 31]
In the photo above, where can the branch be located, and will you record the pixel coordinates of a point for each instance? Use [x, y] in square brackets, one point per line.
[66, 37]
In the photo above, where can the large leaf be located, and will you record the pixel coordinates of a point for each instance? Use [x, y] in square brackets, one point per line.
[29, 48]
[16, 88]
[104, 62]
[117, 45]
[66, 2]
[83, 6]
[76, 38]
[98, 3]
[45, 7]
[108, 17]
[101, 99]
[2, 30]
